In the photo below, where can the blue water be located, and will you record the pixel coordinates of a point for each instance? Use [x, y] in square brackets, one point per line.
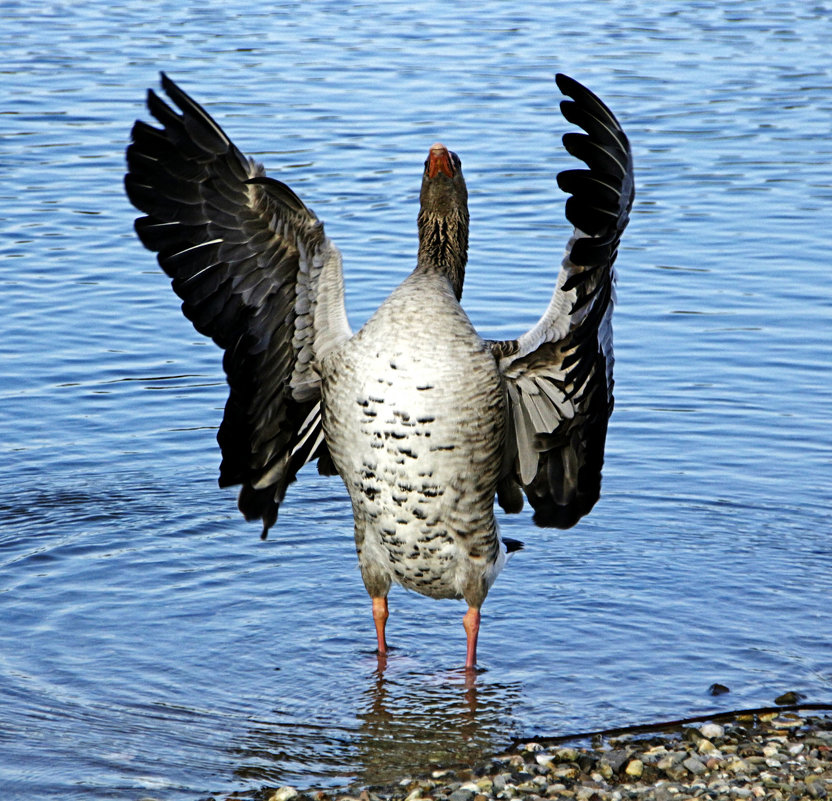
[151, 645]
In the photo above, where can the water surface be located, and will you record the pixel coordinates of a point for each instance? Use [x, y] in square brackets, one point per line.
[150, 644]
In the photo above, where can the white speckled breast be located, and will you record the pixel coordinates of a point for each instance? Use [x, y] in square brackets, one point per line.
[414, 416]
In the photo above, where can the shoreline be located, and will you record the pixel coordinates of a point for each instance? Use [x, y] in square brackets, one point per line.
[772, 753]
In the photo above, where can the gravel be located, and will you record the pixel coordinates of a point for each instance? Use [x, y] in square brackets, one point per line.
[778, 756]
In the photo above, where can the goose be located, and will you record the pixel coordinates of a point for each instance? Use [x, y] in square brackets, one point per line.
[424, 420]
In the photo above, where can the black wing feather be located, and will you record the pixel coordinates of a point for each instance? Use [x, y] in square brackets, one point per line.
[562, 368]
[231, 240]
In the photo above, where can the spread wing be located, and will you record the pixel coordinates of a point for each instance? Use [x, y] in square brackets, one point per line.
[558, 375]
[257, 274]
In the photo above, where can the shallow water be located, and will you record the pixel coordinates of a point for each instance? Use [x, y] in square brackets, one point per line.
[150, 644]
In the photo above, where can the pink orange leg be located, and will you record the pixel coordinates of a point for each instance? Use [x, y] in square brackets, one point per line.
[380, 615]
[471, 621]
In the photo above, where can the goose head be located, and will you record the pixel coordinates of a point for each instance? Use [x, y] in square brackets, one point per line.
[443, 217]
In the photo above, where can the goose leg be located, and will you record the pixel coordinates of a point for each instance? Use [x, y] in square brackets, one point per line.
[380, 615]
[471, 622]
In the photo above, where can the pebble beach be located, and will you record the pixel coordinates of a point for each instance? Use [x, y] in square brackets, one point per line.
[775, 755]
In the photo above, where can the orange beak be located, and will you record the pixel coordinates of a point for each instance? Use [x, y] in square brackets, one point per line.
[439, 160]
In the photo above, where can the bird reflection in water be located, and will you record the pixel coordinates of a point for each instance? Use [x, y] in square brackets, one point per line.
[406, 722]
[411, 723]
